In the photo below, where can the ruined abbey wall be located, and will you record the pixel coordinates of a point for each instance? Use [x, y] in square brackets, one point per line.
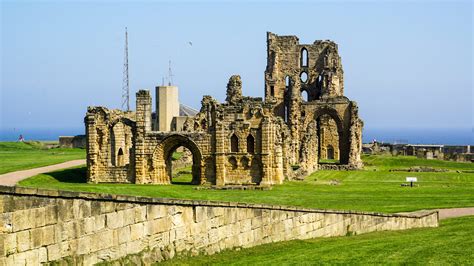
[39, 226]
[244, 140]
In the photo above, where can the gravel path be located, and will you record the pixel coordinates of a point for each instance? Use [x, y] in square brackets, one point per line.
[455, 212]
[10, 179]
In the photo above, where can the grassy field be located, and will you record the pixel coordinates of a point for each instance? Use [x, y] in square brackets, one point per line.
[16, 156]
[373, 189]
[450, 244]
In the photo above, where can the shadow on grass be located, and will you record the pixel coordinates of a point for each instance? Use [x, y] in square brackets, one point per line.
[189, 183]
[73, 175]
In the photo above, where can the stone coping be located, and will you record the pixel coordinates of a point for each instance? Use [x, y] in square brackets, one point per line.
[54, 193]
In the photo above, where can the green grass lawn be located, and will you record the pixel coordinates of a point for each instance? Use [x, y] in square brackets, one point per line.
[16, 156]
[450, 244]
[373, 189]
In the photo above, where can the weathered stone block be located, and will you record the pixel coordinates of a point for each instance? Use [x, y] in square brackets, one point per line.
[114, 219]
[156, 211]
[23, 241]
[136, 231]
[123, 234]
[54, 252]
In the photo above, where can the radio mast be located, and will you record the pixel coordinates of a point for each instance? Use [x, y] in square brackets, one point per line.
[125, 81]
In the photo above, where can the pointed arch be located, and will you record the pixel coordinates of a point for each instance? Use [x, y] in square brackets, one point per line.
[234, 143]
[250, 144]
[304, 58]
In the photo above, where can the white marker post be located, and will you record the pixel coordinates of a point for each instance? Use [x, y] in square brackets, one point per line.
[411, 180]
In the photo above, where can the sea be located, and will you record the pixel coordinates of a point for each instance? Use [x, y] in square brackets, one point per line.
[447, 136]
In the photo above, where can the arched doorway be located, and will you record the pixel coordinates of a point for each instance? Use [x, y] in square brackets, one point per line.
[171, 151]
[330, 137]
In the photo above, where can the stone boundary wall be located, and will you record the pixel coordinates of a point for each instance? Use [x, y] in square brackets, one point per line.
[39, 226]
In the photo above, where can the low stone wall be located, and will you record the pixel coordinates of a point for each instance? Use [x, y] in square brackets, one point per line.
[38, 226]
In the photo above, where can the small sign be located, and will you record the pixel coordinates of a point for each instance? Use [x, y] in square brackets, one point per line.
[412, 179]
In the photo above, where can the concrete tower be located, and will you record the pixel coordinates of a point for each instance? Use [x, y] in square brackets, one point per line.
[167, 106]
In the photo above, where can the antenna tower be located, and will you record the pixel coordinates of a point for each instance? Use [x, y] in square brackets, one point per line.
[125, 81]
[170, 74]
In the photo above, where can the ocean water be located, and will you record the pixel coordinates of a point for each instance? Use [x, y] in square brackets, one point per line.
[44, 134]
[457, 136]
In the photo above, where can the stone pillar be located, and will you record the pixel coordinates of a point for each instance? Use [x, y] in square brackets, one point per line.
[355, 138]
[294, 113]
[267, 147]
[143, 127]
[220, 154]
[91, 147]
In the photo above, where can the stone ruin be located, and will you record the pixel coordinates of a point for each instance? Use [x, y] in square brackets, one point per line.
[304, 120]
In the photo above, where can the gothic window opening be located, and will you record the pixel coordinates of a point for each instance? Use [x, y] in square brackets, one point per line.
[330, 152]
[304, 57]
[234, 143]
[120, 158]
[272, 90]
[250, 144]
[304, 96]
[287, 82]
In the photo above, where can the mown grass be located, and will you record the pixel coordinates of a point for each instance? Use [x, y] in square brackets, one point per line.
[374, 189]
[450, 244]
[16, 156]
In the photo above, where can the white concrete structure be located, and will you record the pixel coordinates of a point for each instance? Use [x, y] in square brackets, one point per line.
[167, 106]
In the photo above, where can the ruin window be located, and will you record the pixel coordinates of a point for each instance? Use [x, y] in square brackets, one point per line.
[304, 96]
[234, 143]
[304, 77]
[287, 82]
[304, 57]
[120, 158]
[330, 151]
[272, 90]
[250, 144]
[303, 114]
[245, 163]
[286, 114]
[233, 162]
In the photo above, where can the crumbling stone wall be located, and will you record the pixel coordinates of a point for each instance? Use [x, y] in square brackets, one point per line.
[306, 83]
[245, 140]
[41, 226]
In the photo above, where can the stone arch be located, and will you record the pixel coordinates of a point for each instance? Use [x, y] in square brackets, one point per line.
[120, 158]
[234, 143]
[343, 144]
[304, 96]
[304, 58]
[250, 143]
[163, 155]
[232, 162]
[330, 152]
[122, 132]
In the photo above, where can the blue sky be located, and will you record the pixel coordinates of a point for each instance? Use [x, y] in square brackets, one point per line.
[407, 63]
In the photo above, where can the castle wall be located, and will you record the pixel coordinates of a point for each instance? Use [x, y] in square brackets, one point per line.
[39, 226]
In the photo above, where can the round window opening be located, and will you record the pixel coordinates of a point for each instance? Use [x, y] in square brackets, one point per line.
[304, 77]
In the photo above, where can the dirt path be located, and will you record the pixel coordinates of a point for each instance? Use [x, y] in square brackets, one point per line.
[10, 179]
[455, 212]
